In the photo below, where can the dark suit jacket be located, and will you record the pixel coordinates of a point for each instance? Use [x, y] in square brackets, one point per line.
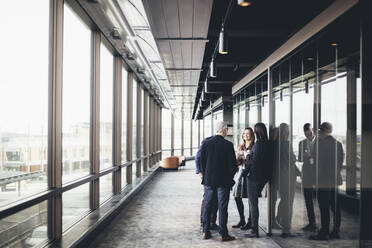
[217, 162]
[330, 159]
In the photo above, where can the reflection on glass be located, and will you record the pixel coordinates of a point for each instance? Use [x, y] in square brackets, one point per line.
[75, 203]
[23, 99]
[27, 228]
[76, 97]
[124, 115]
[106, 108]
[105, 188]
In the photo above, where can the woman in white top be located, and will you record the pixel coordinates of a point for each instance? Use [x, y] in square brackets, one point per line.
[240, 188]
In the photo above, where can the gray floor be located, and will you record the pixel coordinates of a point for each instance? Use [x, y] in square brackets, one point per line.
[166, 214]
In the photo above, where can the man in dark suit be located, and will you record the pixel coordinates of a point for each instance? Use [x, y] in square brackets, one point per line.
[218, 166]
[330, 157]
[305, 151]
[213, 225]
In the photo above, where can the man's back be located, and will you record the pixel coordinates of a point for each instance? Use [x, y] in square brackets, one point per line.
[218, 162]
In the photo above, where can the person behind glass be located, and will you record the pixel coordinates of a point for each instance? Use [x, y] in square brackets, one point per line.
[218, 166]
[240, 189]
[330, 156]
[256, 170]
[288, 172]
[305, 151]
[213, 225]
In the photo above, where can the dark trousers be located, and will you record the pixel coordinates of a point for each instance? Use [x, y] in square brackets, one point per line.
[328, 199]
[308, 183]
[308, 195]
[240, 207]
[223, 196]
[213, 211]
[285, 206]
[253, 192]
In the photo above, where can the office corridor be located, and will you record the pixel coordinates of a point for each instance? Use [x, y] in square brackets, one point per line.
[166, 214]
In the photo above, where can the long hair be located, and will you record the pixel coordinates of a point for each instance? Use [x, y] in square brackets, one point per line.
[283, 132]
[242, 145]
[261, 132]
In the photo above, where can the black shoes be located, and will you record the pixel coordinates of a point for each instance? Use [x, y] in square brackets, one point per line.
[207, 235]
[214, 227]
[240, 224]
[247, 226]
[252, 234]
[227, 238]
[286, 235]
[334, 235]
[320, 236]
[310, 228]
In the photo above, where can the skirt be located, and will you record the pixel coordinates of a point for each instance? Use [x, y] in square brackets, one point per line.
[240, 188]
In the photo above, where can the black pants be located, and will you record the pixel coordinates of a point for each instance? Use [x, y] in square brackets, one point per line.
[213, 211]
[308, 195]
[285, 206]
[328, 199]
[253, 192]
[240, 206]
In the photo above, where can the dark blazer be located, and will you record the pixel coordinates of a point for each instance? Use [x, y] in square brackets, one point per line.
[258, 168]
[330, 159]
[217, 162]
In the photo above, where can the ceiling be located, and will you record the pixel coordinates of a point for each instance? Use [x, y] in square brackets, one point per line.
[253, 33]
[180, 30]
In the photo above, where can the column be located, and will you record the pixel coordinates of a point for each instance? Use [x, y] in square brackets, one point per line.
[117, 123]
[146, 130]
[139, 129]
[130, 125]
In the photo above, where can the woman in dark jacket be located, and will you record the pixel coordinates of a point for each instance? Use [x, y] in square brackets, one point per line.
[257, 171]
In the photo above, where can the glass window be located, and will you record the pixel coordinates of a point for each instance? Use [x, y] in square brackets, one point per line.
[124, 115]
[186, 137]
[166, 132]
[236, 125]
[134, 124]
[23, 99]
[106, 107]
[105, 188]
[195, 133]
[76, 96]
[142, 122]
[177, 135]
[27, 228]
[75, 203]
[207, 126]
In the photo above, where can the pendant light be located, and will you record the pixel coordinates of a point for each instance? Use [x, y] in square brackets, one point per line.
[212, 69]
[222, 42]
[244, 3]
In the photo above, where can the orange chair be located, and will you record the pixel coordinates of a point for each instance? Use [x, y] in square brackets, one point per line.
[170, 163]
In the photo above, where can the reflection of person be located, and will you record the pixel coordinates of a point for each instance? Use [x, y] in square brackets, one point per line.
[213, 225]
[288, 172]
[330, 157]
[305, 151]
[218, 166]
[257, 171]
[241, 186]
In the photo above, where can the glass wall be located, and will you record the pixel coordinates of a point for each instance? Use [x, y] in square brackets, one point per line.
[195, 133]
[166, 132]
[207, 126]
[106, 107]
[177, 136]
[76, 97]
[23, 100]
[187, 134]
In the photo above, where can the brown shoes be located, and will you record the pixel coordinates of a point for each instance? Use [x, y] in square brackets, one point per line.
[227, 238]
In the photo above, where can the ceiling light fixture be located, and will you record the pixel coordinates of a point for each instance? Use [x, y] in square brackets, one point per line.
[213, 69]
[244, 3]
[222, 42]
